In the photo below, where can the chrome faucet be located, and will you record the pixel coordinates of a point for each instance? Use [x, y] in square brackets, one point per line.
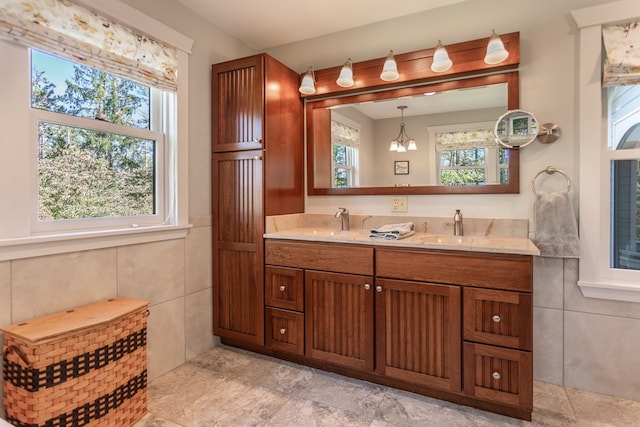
[344, 214]
[457, 223]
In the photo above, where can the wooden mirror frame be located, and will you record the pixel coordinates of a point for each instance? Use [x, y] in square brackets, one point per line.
[415, 77]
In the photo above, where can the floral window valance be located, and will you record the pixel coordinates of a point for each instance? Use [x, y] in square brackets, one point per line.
[622, 54]
[344, 135]
[71, 31]
[460, 140]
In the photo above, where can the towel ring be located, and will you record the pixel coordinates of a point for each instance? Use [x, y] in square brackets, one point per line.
[549, 170]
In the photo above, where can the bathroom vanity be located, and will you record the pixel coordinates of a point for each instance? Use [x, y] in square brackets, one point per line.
[452, 320]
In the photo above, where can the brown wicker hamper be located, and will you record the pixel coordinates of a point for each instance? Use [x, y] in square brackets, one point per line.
[86, 366]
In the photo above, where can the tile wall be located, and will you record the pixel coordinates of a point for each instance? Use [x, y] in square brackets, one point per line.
[173, 275]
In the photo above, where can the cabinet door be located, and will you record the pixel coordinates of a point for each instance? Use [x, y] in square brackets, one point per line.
[238, 104]
[339, 319]
[418, 333]
[238, 278]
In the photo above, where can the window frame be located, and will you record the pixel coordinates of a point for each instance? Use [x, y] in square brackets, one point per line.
[352, 153]
[596, 278]
[18, 239]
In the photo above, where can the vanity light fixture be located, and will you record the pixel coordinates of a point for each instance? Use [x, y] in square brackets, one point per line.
[390, 69]
[345, 79]
[441, 61]
[402, 142]
[308, 85]
[496, 53]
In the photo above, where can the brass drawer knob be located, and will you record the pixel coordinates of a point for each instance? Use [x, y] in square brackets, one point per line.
[282, 288]
[496, 318]
[283, 331]
[496, 375]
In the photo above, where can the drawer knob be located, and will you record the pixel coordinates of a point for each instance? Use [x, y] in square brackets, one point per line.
[496, 318]
[378, 288]
[367, 286]
[496, 375]
[282, 288]
[284, 331]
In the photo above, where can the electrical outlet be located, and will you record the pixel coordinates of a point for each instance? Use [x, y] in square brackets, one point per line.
[399, 204]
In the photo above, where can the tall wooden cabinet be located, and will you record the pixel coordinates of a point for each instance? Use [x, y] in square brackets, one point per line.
[257, 170]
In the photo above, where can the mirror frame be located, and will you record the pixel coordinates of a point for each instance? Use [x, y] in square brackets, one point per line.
[513, 99]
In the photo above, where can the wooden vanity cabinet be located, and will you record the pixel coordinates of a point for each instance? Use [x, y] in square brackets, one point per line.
[257, 170]
[427, 321]
[496, 314]
[418, 333]
[338, 299]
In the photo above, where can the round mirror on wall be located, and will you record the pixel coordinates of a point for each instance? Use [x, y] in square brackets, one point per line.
[516, 129]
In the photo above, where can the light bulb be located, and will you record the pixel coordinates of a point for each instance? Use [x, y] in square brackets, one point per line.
[308, 85]
[345, 79]
[496, 53]
[390, 69]
[441, 61]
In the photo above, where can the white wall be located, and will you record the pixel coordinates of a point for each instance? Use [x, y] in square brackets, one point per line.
[547, 86]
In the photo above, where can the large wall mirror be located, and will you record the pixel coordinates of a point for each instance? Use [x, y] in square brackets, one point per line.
[452, 122]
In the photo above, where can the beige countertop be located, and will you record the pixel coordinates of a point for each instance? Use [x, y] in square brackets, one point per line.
[421, 240]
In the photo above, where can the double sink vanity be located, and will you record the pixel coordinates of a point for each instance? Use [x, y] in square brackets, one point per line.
[437, 314]
[441, 315]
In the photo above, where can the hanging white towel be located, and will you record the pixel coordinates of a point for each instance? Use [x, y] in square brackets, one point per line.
[393, 231]
[556, 230]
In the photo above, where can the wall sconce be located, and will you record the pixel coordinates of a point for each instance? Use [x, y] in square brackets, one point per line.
[441, 61]
[402, 142]
[390, 69]
[308, 85]
[345, 79]
[496, 53]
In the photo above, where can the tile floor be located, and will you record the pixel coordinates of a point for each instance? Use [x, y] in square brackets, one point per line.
[231, 387]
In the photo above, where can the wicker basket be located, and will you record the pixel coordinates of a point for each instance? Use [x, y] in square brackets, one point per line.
[86, 366]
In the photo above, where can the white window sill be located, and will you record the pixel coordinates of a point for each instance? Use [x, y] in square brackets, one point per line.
[40, 245]
[610, 290]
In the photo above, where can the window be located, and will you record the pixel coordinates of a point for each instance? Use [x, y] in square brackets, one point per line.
[608, 162]
[468, 155]
[623, 119]
[99, 146]
[82, 167]
[345, 145]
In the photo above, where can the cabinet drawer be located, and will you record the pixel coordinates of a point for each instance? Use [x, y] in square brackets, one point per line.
[284, 288]
[498, 317]
[498, 374]
[511, 272]
[338, 258]
[285, 331]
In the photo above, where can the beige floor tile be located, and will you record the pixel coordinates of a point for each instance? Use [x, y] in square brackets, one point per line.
[551, 406]
[172, 392]
[150, 420]
[399, 408]
[594, 409]
[298, 412]
[232, 403]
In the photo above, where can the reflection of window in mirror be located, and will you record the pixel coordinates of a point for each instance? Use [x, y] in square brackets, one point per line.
[468, 154]
[345, 147]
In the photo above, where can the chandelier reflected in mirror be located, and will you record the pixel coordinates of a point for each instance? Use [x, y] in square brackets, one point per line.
[402, 142]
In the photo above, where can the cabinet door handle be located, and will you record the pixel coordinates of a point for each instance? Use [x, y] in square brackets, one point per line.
[367, 286]
[496, 375]
[496, 318]
[282, 288]
[257, 158]
[378, 288]
[257, 140]
[284, 331]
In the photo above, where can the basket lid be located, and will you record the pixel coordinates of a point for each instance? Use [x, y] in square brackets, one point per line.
[64, 322]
